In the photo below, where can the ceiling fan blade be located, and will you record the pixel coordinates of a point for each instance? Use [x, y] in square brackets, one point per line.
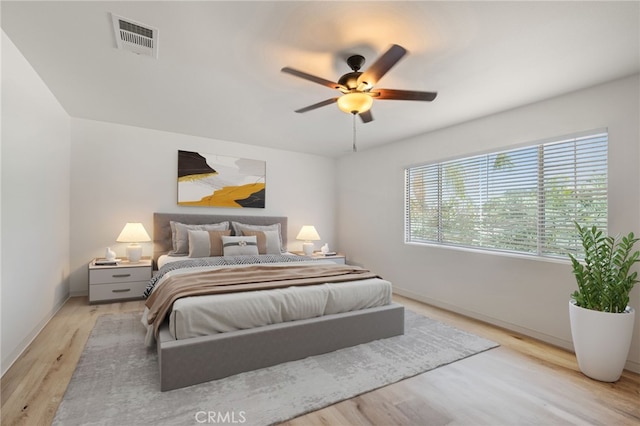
[366, 116]
[404, 95]
[383, 64]
[313, 78]
[318, 105]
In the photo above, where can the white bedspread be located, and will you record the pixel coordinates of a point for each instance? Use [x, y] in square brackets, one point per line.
[206, 315]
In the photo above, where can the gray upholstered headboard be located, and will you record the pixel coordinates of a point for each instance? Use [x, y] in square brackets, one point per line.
[162, 229]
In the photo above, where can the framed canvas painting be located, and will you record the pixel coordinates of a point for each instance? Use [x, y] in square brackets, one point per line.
[220, 181]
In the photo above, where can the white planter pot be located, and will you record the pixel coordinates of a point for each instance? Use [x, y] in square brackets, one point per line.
[601, 341]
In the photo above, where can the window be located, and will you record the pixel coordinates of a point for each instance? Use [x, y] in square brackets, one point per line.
[523, 200]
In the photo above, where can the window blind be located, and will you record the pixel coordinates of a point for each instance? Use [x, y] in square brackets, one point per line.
[523, 200]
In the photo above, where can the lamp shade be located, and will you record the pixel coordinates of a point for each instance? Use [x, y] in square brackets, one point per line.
[355, 102]
[133, 233]
[308, 233]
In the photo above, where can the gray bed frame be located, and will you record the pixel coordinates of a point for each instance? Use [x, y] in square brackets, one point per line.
[201, 359]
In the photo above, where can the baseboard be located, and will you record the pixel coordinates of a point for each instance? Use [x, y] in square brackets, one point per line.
[632, 366]
[484, 318]
[11, 358]
[552, 340]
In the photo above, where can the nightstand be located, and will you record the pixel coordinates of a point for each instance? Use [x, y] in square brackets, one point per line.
[118, 282]
[338, 258]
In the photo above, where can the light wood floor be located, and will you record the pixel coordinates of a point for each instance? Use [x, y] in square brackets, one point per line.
[523, 382]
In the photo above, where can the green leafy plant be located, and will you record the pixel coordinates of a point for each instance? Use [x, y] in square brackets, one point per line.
[605, 279]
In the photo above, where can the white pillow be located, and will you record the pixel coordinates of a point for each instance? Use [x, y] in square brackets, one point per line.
[206, 243]
[239, 246]
[180, 234]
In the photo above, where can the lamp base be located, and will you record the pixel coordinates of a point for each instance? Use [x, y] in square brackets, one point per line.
[134, 252]
[307, 248]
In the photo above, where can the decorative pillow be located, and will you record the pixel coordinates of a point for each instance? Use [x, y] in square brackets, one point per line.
[239, 227]
[206, 243]
[180, 234]
[268, 241]
[239, 246]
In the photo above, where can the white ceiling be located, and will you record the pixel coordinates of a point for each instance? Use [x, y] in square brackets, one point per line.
[218, 71]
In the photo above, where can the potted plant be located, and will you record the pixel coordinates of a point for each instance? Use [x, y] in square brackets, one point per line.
[601, 319]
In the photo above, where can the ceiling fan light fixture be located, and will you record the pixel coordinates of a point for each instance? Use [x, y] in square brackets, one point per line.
[356, 86]
[355, 102]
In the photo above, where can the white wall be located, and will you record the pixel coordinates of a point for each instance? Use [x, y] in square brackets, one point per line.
[58, 171]
[124, 174]
[523, 294]
[35, 204]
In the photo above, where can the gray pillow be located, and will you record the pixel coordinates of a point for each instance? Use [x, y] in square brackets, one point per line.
[180, 234]
[239, 227]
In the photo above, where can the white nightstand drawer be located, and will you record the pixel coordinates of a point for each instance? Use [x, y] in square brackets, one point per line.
[118, 275]
[339, 259]
[129, 290]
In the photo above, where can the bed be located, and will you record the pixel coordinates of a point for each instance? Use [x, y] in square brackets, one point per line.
[202, 337]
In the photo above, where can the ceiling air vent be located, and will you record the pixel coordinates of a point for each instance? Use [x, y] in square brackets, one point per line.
[135, 37]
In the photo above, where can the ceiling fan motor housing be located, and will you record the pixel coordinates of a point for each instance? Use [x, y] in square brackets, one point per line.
[350, 80]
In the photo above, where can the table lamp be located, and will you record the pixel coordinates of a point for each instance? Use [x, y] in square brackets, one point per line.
[133, 233]
[308, 234]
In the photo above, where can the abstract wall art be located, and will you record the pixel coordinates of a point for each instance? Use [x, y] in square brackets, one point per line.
[220, 181]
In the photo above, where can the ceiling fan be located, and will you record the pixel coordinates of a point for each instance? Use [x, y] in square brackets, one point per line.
[357, 87]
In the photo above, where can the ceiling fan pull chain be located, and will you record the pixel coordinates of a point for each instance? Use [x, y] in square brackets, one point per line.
[354, 132]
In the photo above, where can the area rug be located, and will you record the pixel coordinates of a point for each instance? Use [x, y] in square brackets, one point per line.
[116, 381]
